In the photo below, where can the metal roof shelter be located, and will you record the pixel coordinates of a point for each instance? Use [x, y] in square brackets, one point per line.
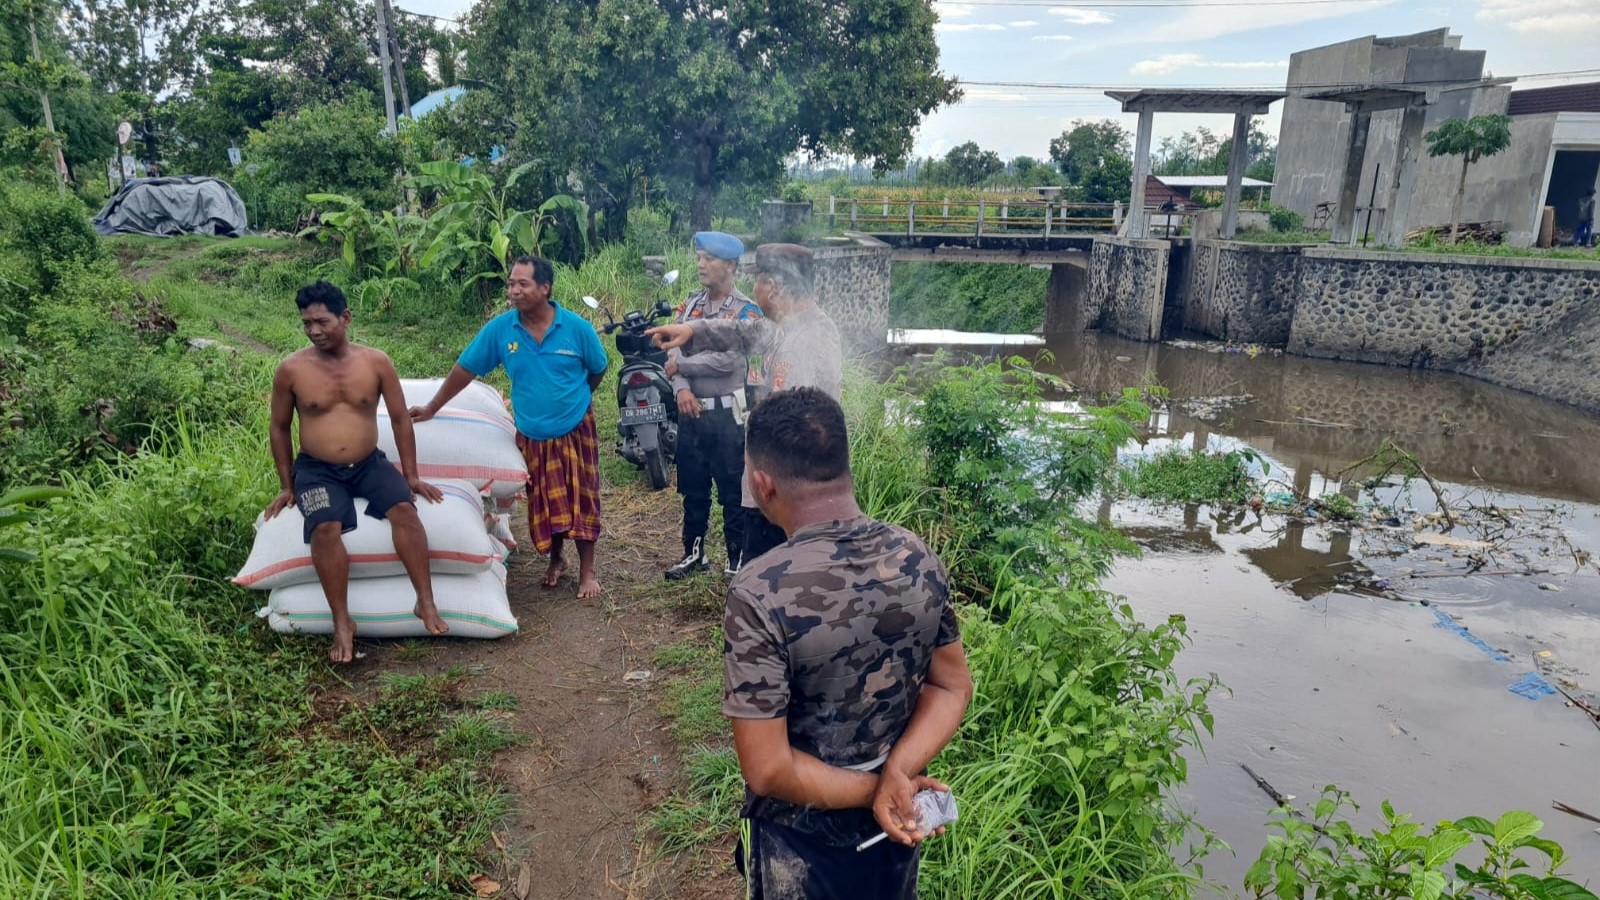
[1243, 105]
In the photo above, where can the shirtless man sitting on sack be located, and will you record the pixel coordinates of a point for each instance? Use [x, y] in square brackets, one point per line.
[334, 386]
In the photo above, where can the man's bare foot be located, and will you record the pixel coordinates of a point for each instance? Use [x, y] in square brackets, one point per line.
[588, 586]
[552, 575]
[429, 614]
[343, 649]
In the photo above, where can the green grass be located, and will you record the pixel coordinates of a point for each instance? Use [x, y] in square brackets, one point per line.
[1189, 476]
[496, 701]
[475, 736]
[707, 810]
[1283, 237]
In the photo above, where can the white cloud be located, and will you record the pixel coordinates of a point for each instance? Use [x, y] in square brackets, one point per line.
[1536, 16]
[1255, 15]
[1083, 16]
[1172, 62]
[968, 26]
[1024, 23]
[952, 10]
[1052, 37]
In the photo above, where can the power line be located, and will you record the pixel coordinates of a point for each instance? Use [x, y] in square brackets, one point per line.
[1332, 85]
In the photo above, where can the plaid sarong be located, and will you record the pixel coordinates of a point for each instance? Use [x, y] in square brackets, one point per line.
[563, 485]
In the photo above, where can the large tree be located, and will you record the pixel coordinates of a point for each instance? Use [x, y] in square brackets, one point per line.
[708, 90]
[1095, 157]
[48, 117]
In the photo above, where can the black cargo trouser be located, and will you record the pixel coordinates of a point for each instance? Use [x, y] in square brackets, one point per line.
[711, 451]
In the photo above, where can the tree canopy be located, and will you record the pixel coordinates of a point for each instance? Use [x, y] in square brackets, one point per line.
[706, 91]
[1095, 157]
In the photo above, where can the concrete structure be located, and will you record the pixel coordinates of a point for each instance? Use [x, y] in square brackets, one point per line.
[1351, 146]
[1529, 324]
[1242, 105]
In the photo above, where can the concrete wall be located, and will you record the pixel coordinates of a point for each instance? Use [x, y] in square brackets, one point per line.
[853, 287]
[1242, 292]
[1127, 287]
[1315, 134]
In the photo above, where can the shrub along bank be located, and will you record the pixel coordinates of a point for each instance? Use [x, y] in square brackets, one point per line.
[152, 745]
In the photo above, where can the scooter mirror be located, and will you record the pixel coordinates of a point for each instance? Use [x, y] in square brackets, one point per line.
[670, 278]
[590, 302]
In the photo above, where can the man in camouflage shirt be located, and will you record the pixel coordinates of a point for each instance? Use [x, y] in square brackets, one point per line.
[843, 671]
[798, 344]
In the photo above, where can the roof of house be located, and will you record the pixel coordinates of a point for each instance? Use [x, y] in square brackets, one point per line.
[1207, 181]
[1562, 98]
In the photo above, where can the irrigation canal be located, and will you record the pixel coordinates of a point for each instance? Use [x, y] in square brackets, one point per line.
[1359, 657]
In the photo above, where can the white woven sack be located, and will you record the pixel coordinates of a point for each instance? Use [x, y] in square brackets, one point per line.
[474, 606]
[458, 542]
[473, 438]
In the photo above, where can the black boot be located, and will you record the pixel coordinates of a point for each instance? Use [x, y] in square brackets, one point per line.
[694, 560]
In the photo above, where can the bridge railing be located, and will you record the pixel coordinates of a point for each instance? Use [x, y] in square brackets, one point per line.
[997, 217]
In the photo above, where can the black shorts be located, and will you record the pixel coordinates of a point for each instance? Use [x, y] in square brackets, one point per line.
[783, 863]
[326, 492]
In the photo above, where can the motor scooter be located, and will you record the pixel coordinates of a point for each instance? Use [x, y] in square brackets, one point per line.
[647, 421]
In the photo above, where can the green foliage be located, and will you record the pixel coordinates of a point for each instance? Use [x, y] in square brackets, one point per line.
[50, 230]
[725, 94]
[14, 513]
[336, 147]
[1285, 220]
[1205, 152]
[1472, 138]
[1192, 476]
[1077, 729]
[477, 233]
[1325, 856]
[104, 373]
[794, 192]
[1097, 158]
[966, 165]
[967, 297]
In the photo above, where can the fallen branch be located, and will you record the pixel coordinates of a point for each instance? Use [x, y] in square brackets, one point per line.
[1573, 812]
[1390, 459]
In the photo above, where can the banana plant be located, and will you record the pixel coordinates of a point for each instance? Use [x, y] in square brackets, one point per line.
[14, 513]
[474, 227]
[373, 246]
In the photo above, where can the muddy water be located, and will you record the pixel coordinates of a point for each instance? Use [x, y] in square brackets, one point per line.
[1402, 693]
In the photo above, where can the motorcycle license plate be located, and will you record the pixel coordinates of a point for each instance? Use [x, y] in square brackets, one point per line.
[642, 415]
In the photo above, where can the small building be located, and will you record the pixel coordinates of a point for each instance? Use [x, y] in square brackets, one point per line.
[1352, 155]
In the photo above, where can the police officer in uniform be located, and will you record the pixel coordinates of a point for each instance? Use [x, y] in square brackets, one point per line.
[710, 390]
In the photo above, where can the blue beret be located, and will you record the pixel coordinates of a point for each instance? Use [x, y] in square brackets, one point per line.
[719, 244]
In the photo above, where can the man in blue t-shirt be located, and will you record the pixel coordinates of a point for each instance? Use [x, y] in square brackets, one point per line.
[555, 361]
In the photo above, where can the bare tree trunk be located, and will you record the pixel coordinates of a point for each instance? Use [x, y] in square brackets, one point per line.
[49, 116]
[1461, 193]
[705, 185]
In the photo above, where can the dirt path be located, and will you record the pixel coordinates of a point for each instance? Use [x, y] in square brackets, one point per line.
[599, 757]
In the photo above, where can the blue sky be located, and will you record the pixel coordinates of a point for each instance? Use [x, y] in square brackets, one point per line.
[1183, 42]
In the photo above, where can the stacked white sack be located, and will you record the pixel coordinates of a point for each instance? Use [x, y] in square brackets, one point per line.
[464, 559]
[458, 542]
[474, 438]
[474, 606]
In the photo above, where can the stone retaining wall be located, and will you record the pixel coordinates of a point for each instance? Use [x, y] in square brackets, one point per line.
[1127, 287]
[853, 287]
[1422, 310]
[1242, 292]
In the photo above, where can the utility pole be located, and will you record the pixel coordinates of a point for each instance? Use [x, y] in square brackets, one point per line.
[398, 59]
[387, 63]
[49, 117]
